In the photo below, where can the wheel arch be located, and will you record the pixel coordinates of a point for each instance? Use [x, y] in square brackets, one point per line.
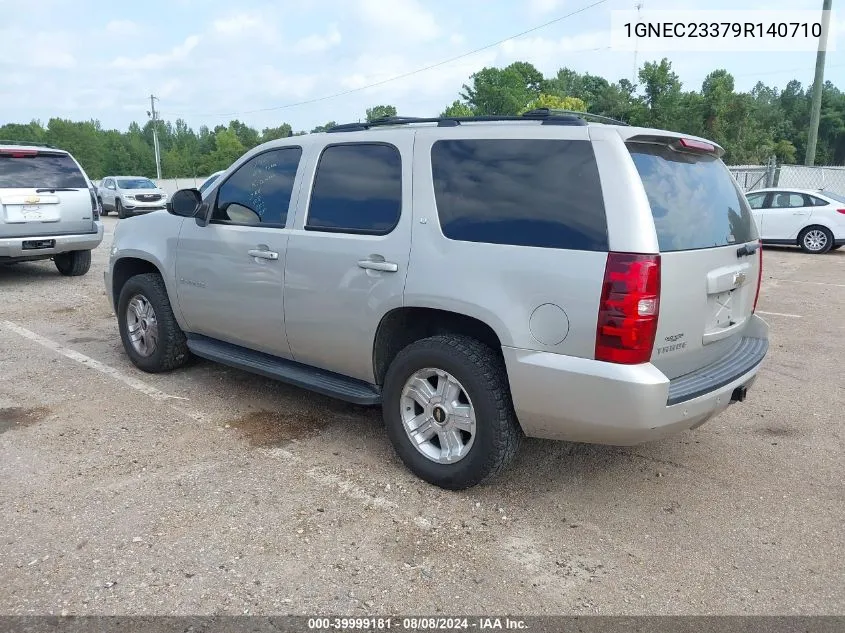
[402, 326]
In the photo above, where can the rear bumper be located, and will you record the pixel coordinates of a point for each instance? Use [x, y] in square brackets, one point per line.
[13, 247]
[582, 400]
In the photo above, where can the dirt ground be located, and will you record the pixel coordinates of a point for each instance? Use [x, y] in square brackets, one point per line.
[213, 491]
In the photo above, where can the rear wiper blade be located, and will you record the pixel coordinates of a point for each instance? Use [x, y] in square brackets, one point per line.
[54, 189]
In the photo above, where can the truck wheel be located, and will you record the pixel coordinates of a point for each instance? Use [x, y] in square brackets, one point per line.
[448, 411]
[151, 336]
[815, 239]
[74, 263]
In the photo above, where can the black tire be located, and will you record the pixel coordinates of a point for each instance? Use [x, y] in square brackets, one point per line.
[172, 350]
[103, 210]
[481, 372]
[74, 263]
[814, 230]
[118, 208]
[836, 247]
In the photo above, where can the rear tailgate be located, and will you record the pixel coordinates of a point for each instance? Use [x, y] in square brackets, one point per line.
[43, 192]
[710, 256]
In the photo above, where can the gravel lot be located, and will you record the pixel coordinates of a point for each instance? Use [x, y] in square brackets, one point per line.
[213, 491]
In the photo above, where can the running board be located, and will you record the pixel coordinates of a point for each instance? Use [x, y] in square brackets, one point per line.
[288, 371]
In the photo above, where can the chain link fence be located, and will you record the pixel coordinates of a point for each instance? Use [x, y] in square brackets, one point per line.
[751, 177]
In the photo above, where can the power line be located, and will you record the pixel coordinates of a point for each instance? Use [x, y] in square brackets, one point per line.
[418, 70]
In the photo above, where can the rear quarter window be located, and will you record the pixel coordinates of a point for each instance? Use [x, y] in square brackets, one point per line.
[40, 171]
[524, 192]
[694, 201]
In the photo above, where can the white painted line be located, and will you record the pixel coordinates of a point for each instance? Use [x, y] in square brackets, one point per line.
[791, 316]
[96, 365]
[811, 283]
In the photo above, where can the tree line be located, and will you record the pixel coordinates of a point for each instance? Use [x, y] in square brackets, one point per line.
[751, 126]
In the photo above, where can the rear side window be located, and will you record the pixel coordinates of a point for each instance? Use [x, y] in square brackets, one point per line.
[40, 171]
[524, 192]
[694, 201]
[357, 189]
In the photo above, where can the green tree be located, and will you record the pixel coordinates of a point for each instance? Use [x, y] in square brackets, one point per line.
[505, 91]
[554, 102]
[457, 109]
[380, 112]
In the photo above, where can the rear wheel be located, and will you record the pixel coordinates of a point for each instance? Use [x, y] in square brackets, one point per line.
[815, 240]
[74, 263]
[151, 336]
[103, 210]
[448, 411]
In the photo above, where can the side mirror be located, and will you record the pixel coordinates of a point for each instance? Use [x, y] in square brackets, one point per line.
[185, 203]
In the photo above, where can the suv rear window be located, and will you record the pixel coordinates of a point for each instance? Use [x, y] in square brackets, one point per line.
[525, 192]
[40, 171]
[694, 201]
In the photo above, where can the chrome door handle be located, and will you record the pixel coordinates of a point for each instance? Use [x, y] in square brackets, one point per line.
[262, 254]
[387, 267]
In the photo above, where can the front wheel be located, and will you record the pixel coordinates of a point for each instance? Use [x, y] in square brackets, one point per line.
[74, 263]
[103, 210]
[448, 411]
[815, 240]
[151, 336]
[118, 208]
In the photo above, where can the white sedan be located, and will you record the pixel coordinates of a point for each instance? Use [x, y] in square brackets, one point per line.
[811, 219]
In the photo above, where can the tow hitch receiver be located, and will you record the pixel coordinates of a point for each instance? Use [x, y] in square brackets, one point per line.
[739, 394]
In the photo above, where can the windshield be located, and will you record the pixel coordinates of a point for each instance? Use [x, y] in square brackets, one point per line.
[40, 171]
[833, 196]
[694, 201]
[135, 183]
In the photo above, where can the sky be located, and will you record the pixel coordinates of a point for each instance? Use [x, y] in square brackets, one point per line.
[267, 62]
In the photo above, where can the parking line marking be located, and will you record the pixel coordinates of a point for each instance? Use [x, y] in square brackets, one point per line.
[811, 283]
[72, 354]
[783, 314]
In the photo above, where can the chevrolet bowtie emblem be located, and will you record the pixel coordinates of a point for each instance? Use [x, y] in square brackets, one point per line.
[33, 200]
[739, 279]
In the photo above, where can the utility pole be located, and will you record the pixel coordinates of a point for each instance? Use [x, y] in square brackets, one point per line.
[152, 114]
[818, 85]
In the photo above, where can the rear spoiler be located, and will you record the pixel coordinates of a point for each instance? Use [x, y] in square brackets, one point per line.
[680, 142]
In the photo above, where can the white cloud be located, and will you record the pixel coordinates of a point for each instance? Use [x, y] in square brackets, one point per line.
[405, 20]
[154, 61]
[319, 43]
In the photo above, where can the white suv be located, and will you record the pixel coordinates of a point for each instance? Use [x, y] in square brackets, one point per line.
[48, 208]
[130, 195]
[478, 278]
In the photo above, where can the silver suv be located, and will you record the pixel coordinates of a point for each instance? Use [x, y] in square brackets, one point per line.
[130, 195]
[480, 279]
[48, 208]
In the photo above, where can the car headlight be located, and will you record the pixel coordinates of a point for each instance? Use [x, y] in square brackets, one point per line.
[129, 197]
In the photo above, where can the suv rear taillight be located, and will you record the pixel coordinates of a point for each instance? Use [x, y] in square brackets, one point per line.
[759, 276]
[95, 204]
[630, 302]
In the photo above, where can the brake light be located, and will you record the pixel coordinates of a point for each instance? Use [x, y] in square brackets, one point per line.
[628, 310]
[95, 204]
[759, 276]
[19, 153]
[842, 211]
[701, 146]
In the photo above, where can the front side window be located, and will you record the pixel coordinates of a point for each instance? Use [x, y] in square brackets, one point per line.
[524, 192]
[259, 192]
[357, 189]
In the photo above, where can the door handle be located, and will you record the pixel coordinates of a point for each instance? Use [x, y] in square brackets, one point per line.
[262, 254]
[386, 267]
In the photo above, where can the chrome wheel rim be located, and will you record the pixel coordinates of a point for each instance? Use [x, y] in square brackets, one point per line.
[815, 240]
[438, 415]
[142, 326]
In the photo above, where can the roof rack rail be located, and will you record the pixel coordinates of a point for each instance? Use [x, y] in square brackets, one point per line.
[589, 115]
[5, 141]
[545, 116]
